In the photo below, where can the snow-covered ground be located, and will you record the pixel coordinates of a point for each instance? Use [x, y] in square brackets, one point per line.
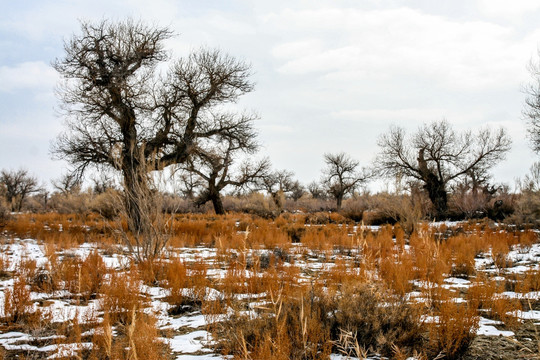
[190, 338]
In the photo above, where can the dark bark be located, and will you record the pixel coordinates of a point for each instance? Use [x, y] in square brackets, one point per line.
[339, 201]
[435, 186]
[217, 203]
[135, 194]
[437, 194]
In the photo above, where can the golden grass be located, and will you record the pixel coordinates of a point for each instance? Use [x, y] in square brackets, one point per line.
[306, 312]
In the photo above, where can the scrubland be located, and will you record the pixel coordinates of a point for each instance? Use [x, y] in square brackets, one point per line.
[300, 286]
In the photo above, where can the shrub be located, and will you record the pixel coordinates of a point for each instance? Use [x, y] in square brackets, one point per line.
[453, 330]
[308, 326]
[290, 328]
[176, 280]
[91, 274]
[18, 306]
[138, 339]
[106, 204]
[379, 320]
[121, 296]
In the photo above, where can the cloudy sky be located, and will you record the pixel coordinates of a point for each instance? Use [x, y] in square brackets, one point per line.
[330, 75]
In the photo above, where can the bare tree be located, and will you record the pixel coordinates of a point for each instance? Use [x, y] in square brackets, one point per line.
[342, 176]
[436, 155]
[296, 190]
[189, 183]
[215, 169]
[277, 184]
[122, 113]
[18, 184]
[531, 112]
[103, 182]
[316, 190]
[67, 184]
[531, 181]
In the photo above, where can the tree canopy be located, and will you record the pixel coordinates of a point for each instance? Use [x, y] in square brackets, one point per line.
[436, 155]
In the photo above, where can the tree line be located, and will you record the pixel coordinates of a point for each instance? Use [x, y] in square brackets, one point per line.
[124, 113]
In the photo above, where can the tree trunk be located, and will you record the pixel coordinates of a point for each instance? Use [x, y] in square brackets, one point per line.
[437, 194]
[435, 187]
[339, 201]
[135, 195]
[218, 204]
[278, 198]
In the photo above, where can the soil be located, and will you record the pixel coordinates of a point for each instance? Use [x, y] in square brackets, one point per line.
[525, 345]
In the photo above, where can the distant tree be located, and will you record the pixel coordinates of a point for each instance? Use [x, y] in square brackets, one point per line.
[342, 176]
[531, 181]
[316, 190]
[67, 184]
[215, 170]
[123, 113]
[436, 155]
[526, 204]
[296, 191]
[277, 184]
[189, 184]
[102, 182]
[18, 184]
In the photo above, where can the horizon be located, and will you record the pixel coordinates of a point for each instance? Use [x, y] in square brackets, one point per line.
[330, 76]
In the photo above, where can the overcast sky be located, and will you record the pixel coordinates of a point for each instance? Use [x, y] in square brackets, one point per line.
[330, 76]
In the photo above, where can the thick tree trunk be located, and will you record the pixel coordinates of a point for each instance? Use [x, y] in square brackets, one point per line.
[136, 194]
[278, 199]
[435, 187]
[437, 194]
[217, 203]
[339, 201]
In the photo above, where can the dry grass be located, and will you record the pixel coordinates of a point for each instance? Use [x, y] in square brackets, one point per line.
[120, 295]
[320, 289]
[137, 339]
[19, 309]
[453, 330]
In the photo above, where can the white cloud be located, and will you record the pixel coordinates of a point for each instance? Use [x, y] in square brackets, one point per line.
[295, 49]
[328, 78]
[33, 75]
[511, 10]
[472, 55]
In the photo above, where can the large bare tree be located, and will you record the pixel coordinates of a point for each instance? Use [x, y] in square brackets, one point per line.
[123, 113]
[437, 155]
[342, 176]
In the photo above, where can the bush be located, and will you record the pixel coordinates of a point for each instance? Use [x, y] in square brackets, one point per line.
[121, 296]
[18, 306]
[379, 320]
[70, 203]
[107, 204]
[309, 326]
[408, 210]
[292, 328]
[453, 331]
[4, 212]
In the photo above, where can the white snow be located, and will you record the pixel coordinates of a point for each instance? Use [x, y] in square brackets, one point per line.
[486, 327]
